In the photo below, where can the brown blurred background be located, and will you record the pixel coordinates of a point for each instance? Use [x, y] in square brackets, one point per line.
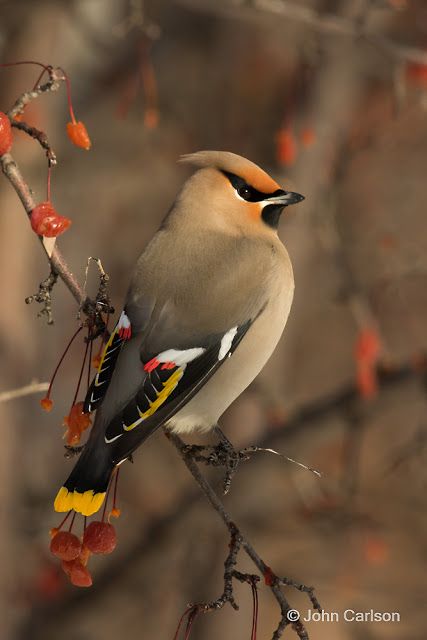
[322, 94]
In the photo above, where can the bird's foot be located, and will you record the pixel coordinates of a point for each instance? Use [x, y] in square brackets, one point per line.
[221, 455]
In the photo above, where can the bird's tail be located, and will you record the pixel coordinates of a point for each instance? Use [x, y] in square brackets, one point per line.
[85, 489]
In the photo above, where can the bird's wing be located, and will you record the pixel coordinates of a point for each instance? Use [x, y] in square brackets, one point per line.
[98, 388]
[187, 315]
[168, 381]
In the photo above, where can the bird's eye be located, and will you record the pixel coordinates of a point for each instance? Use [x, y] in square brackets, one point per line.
[245, 192]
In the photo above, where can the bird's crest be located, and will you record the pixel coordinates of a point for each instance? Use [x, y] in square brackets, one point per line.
[232, 163]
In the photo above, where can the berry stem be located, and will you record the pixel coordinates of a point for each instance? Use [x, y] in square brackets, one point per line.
[190, 620]
[37, 82]
[70, 105]
[15, 64]
[80, 376]
[59, 527]
[72, 521]
[61, 360]
[181, 620]
[116, 481]
[106, 500]
[255, 610]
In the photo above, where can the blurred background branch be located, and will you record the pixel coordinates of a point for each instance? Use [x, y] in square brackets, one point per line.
[324, 23]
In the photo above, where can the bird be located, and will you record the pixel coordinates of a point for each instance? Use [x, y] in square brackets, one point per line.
[207, 303]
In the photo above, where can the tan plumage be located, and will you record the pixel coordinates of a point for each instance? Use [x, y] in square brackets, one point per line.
[207, 304]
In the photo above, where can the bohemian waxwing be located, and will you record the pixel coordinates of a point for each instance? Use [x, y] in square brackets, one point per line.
[206, 306]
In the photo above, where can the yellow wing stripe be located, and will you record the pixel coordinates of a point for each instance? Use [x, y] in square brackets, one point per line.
[162, 396]
[85, 503]
[106, 348]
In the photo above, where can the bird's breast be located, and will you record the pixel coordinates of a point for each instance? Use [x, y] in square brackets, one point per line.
[232, 378]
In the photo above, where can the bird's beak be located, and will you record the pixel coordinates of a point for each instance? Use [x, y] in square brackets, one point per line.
[286, 198]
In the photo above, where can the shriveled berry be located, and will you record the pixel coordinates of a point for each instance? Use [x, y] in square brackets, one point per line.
[100, 537]
[46, 404]
[5, 134]
[80, 575]
[65, 545]
[67, 566]
[45, 221]
[76, 422]
[78, 135]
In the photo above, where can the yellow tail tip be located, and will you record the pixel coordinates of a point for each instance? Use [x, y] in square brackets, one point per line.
[86, 503]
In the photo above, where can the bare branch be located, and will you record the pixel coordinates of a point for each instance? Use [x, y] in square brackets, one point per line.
[11, 171]
[28, 390]
[271, 580]
[56, 76]
[55, 257]
[41, 138]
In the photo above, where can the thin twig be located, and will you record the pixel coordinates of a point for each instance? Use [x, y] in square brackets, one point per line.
[28, 390]
[275, 585]
[56, 76]
[44, 296]
[41, 138]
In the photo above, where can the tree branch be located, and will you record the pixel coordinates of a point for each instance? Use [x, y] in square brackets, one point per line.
[55, 257]
[273, 581]
[28, 390]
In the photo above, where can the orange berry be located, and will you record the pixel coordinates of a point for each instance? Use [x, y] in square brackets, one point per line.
[45, 221]
[308, 136]
[375, 550]
[100, 537]
[5, 134]
[78, 135]
[151, 118]
[46, 404]
[416, 73]
[114, 513]
[65, 545]
[286, 147]
[367, 347]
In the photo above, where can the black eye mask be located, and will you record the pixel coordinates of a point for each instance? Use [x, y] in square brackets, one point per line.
[248, 193]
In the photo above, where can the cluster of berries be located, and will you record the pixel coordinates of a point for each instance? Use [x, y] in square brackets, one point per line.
[99, 538]
[44, 219]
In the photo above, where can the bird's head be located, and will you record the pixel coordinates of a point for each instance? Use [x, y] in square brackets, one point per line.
[235, 192]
